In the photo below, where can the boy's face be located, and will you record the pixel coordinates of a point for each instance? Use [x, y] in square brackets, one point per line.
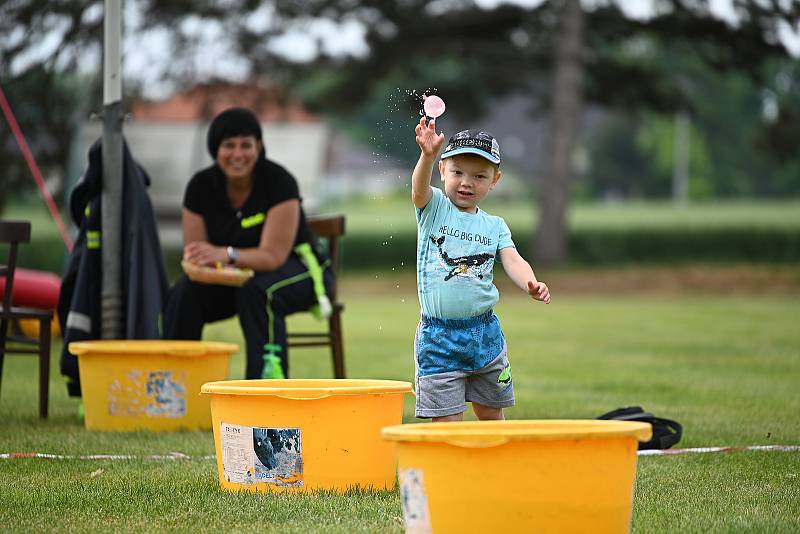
[468, 179]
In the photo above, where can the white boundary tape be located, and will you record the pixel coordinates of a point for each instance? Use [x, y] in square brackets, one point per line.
[46, 456]
[181, 456]
[669, 452]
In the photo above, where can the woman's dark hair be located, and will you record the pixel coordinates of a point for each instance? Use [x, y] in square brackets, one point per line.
[232, 122]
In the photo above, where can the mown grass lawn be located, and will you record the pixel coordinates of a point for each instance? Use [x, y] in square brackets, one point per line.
[726, 367]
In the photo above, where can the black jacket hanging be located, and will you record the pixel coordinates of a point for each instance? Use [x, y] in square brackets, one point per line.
[144, 278]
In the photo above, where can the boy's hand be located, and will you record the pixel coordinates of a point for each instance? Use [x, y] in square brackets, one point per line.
[428, 140]
[539, 291]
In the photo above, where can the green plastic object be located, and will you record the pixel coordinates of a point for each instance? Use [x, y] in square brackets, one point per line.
[323, 308]
[272, 366]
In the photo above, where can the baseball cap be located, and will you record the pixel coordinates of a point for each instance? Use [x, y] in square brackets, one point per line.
[475, 142]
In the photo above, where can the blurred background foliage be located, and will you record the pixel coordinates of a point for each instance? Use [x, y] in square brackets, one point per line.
[737, 86]
[732, 155]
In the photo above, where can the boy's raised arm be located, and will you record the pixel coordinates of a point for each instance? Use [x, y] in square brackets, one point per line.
[429, 143]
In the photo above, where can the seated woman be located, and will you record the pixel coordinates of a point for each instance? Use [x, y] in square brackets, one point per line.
[245, 210]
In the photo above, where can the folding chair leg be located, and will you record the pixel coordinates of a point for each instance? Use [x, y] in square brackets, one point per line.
[3, 329]
[44, 366]
[337, 346]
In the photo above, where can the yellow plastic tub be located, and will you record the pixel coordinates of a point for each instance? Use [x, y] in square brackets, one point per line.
[300, 435]
[148, 384]
[518, 476]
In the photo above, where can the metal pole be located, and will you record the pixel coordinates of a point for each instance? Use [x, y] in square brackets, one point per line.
[111, 199]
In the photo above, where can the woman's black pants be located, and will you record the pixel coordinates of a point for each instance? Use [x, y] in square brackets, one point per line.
[262, 305]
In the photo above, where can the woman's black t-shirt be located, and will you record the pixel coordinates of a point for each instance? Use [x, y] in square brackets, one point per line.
[207, 195]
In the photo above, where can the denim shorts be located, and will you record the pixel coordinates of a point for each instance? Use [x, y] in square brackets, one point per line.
[458, 361]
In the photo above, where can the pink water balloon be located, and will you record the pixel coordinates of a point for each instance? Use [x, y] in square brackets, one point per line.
[433, 105]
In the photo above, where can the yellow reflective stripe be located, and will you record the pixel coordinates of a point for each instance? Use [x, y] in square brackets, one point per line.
[86, 211]
[253, 220]
[93, 239]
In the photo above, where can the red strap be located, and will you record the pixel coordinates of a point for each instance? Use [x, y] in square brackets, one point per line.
[26, 152]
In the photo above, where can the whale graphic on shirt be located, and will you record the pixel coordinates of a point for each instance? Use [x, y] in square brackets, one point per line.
[472, 265]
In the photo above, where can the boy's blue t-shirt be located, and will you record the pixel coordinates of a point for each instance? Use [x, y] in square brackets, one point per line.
[456, 252]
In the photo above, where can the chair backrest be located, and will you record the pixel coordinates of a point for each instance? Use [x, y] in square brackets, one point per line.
[12, 233]
[331, 229]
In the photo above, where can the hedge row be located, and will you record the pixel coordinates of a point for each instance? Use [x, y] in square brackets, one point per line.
[772, 245]
[611, 246]
[587, 247]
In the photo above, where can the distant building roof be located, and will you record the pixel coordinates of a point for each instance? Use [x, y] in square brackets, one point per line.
[202, 102]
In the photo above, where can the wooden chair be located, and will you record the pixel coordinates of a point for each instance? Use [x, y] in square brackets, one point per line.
[330, 228]
[12, 233]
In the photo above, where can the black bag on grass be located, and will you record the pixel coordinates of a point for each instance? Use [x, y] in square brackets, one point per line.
[666, 432]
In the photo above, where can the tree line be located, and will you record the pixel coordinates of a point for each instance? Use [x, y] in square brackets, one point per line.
[733, 88]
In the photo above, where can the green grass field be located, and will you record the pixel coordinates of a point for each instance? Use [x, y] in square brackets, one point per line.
[726, 366]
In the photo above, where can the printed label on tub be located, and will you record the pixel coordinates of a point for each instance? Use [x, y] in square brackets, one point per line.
[255, 455]
[415, 501]
[149, 394]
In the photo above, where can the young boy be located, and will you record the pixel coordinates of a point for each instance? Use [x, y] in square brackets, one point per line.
[460, 351]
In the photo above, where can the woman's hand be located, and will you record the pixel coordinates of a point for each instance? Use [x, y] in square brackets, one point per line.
[204, 253]
[197, 249]
[428, 140]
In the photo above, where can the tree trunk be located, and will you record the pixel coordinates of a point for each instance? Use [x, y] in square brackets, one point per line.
[550, 246]
[680, 169]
